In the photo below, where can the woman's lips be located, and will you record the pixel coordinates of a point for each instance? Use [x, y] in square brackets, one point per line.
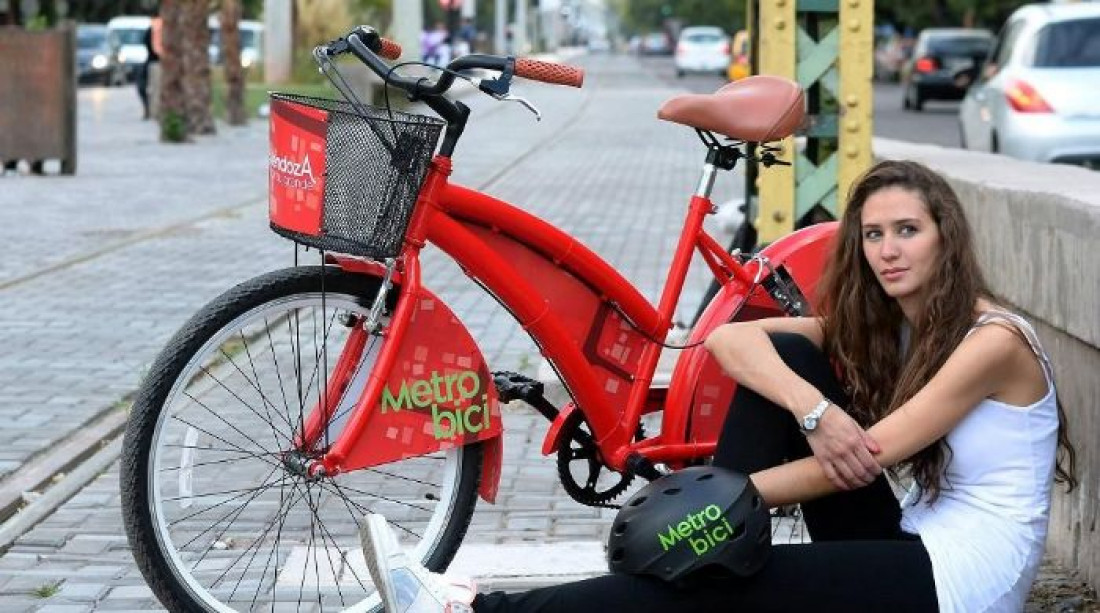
[893, 274]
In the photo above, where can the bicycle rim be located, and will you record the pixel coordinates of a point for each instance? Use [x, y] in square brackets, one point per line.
[239, 528]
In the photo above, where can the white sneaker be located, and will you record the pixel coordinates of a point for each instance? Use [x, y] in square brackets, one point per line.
[405, 585]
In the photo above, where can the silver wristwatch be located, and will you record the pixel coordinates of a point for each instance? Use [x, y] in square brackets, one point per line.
[813, 418]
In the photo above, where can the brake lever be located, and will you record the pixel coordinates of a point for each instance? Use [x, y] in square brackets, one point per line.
[498, 90]
[524, 101]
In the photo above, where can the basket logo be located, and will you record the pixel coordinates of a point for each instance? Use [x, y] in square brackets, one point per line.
[456, 388]
[290, 173]
[703, 530]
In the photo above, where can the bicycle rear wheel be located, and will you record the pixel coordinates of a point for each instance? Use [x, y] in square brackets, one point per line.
[219, 515]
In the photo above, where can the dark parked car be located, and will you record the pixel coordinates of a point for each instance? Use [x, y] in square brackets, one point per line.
[939, 57]
[97, 56]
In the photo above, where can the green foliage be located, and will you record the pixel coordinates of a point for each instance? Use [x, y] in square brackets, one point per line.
[252, 9]
[38, 23]
[640, 16]
[319, 21]
[47, 589]
[918, 15]
[173, 127]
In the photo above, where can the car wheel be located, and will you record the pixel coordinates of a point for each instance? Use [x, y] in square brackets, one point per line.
[918, 100]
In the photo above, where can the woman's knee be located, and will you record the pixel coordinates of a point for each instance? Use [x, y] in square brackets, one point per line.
[795, 348]
[804, 357]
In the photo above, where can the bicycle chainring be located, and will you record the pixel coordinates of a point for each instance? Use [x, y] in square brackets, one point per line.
[577, 445]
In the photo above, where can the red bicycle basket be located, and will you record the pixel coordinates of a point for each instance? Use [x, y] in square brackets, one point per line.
[345, 177]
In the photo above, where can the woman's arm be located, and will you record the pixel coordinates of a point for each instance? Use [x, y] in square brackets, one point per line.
[983, 365]
[745, 352]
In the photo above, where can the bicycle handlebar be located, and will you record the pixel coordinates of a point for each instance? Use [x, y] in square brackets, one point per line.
[549, 72]
[365, 43]
[389, 49]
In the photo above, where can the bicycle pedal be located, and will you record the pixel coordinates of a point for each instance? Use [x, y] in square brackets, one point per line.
[514, 386]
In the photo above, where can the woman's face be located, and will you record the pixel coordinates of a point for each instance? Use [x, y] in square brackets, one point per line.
[901, 242]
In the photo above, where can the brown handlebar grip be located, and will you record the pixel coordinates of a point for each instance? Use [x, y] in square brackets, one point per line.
[389, 49]
[549, 72]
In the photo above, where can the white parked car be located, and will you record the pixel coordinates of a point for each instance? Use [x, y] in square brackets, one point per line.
[1038, 95]
[702, 49]
[128, 31]
[252, 35]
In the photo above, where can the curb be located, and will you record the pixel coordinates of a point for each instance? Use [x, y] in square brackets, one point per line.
[68, 454]
[54, 497]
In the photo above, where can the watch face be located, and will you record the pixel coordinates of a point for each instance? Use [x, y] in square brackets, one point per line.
[809, 423]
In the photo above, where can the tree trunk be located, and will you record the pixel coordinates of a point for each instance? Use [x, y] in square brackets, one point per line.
[196, 72]
[231, 62]
[173, 110]
[13, 16]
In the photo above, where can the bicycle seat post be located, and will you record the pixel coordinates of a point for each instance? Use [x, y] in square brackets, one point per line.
[719, 156]
[706, 182]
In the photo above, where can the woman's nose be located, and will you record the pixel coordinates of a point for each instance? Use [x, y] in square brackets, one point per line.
[889, 248]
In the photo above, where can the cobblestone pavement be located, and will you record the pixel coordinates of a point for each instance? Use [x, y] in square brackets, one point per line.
[106, 265]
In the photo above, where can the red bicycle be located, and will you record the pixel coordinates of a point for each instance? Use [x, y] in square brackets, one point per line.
[300, 400]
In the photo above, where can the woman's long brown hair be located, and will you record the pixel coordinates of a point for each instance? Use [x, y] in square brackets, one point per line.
[863, 325]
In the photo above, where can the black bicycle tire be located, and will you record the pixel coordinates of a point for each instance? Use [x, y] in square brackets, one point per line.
[138, 439]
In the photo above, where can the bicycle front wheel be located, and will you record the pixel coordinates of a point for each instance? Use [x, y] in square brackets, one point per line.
[218, 510]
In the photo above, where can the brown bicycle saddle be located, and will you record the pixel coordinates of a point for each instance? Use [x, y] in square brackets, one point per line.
[759, 109]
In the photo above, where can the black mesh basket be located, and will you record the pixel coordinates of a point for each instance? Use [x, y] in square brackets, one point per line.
[374, 164]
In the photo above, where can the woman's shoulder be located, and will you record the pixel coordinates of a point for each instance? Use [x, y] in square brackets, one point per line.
[1004, 326]
[1010, 344]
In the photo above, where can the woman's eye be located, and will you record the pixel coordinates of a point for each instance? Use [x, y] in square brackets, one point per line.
[871, 234]
[907, 230]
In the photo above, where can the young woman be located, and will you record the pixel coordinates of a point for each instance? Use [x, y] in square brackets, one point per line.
[938, 382]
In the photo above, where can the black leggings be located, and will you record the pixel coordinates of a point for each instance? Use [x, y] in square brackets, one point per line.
[859, 559]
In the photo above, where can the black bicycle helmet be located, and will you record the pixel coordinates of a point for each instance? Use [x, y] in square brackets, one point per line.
[694, 518]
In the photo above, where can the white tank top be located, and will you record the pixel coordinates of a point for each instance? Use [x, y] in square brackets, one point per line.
[986, 532]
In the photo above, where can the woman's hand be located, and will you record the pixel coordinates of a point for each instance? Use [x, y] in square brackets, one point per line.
[845, 450]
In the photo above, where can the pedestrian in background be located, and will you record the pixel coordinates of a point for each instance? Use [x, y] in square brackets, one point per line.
[148, 80]
[465, 37]
[436, 46]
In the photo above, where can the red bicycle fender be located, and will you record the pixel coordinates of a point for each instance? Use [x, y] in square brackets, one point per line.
[439, 394]
[553, 435]
[493, 447]
[490, 468]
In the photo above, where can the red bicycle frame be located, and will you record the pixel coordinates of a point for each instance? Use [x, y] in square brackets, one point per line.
[600, 334]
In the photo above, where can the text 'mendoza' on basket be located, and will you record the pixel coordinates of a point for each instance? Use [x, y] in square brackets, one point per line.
[344, 177]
